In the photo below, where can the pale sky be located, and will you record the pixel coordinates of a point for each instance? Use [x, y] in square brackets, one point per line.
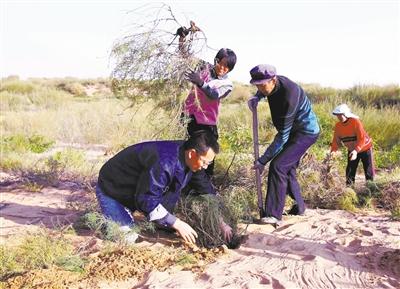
[333, 43]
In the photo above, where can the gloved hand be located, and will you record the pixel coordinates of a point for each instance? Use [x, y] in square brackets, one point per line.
[253, 102]
[353, 155]
[194, 77]
[258, 166]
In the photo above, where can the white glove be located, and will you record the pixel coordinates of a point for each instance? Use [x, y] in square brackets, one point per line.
[353, 155]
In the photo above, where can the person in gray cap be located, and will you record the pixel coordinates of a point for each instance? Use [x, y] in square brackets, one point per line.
[297, 129]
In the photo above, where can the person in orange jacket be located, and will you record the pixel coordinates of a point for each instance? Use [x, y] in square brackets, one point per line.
[350, 132]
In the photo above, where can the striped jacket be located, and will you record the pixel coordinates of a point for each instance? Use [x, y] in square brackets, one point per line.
[352, 135]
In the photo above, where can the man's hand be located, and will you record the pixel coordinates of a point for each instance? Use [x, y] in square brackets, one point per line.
[226, 230]
[185, 231]
[353, 155]
[194, 77]
[253, 102]
[258, 166]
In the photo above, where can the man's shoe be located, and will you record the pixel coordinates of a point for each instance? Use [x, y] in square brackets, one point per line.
[131, 238]
[269, 220]
[294, 211]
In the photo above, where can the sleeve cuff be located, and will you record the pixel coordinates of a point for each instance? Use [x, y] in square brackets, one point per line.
[263, 161]
[159, 212]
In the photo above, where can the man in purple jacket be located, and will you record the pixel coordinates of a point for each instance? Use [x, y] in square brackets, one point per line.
[149, 177]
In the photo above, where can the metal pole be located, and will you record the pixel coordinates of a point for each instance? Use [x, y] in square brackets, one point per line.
[256, 156]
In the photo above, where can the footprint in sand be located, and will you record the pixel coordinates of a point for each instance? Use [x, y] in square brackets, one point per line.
[297, 247]
[355, 244]
[308, 257]
[276, 284]
[366, 233]
[271, 241]
[330, 246]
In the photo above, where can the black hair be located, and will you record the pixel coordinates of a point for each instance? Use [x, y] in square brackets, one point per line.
[201, 141]
[229, 55]
[182, 31]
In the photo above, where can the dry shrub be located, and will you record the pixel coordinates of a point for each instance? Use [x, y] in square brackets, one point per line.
[347, 200]
[74, 88]
[150, 61]
[390, 198]
[203, 213]
[321, 182]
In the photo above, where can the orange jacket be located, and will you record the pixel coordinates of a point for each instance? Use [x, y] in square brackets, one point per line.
[351, 133]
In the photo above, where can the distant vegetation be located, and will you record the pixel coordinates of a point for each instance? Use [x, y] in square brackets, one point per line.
[37, 115]
[49, 127]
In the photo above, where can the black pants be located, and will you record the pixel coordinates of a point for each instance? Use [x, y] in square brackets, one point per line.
[368, 164]
[193, 127]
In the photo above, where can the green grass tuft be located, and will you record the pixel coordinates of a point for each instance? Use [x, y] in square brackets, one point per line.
[348, 200]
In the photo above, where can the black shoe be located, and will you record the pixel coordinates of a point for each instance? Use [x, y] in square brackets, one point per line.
[294, 211]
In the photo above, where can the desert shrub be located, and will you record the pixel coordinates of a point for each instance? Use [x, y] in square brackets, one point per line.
[388, 159]
[320, 181]
[21, 143]
[74, 88]
[319, 94]
[381, 124]
[17, 86]
[35, 101]
[69, 158]
[109, 230]
[390, 197]
[38, 250]
[347, 200]
[375, 96]
[241, 202]
[101, 226]
[327, 123]
[203, 213]
[236, 139]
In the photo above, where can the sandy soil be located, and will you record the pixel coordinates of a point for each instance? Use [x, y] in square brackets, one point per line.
[323, 249]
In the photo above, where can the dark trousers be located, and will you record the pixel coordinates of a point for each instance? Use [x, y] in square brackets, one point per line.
[368, 164]
[194, 127]
[282, 179]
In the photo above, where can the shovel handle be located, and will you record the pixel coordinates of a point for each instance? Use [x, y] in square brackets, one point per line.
[256, 156]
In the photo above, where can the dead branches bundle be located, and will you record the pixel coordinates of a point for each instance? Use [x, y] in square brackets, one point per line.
[150, 62]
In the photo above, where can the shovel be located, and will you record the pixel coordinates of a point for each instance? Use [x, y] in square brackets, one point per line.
[256, 156]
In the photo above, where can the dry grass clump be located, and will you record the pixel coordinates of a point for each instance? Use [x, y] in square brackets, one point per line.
[390, 198]
[321, 183]
[203, 213]
[37, 251]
